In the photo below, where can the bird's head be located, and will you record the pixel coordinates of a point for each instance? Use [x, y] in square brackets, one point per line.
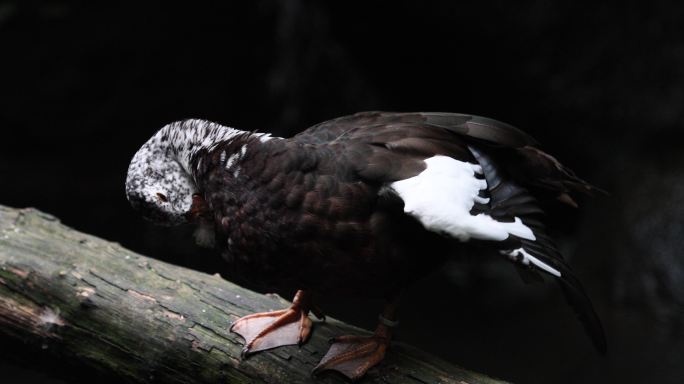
[158, 186]
[160, 183]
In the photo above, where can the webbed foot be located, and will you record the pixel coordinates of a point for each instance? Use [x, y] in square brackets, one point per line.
[268, 330]
[353, 356]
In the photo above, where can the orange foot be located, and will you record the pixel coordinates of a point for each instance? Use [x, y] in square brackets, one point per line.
[353, 356]
[268, 330]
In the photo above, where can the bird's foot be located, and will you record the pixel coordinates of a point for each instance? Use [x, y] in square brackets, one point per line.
[268, 330]
[353, 356]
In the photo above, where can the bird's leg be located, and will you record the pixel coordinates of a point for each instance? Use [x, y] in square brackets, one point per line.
[353, 356]
[268, 330]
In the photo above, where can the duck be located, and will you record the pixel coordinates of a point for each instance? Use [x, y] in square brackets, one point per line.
[361, 205]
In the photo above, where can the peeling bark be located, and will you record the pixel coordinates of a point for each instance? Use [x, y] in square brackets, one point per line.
[93, 303]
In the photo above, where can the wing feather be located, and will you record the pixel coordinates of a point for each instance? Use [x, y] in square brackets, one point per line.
[396, 150]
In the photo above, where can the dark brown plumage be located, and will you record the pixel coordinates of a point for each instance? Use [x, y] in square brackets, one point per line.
[323, 212]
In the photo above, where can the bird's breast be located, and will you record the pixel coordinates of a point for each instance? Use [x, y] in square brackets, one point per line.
[321, 246]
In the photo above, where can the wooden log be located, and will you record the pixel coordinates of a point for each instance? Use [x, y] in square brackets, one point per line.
[89, 302]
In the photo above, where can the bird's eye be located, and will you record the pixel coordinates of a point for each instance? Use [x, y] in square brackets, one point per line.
[162, 197]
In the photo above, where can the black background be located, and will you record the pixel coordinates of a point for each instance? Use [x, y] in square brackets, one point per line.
[600, 86]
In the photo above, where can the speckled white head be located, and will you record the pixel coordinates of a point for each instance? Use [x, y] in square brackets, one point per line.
[160, 183]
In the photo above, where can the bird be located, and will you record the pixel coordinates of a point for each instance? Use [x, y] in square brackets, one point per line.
[365, 205]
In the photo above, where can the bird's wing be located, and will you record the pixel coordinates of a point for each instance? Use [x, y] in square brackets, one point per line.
[469, 125]
[509, 198]
[514, 146]
[469, 178]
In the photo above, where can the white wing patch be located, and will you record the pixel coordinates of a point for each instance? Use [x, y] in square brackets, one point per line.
[442, 196]
[521, 256]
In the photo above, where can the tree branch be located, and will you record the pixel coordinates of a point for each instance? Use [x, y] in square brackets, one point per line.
[79, 298]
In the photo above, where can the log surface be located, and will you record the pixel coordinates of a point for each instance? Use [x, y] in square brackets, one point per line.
[95, 304]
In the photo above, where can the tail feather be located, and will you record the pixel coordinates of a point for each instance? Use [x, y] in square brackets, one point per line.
[572, 289]
[510, 189]
[579, 301]
[537, 168]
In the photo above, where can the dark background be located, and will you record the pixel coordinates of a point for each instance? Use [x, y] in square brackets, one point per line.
[600, 86]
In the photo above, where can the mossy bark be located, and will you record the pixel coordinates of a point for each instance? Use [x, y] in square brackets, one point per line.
[94, 304]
